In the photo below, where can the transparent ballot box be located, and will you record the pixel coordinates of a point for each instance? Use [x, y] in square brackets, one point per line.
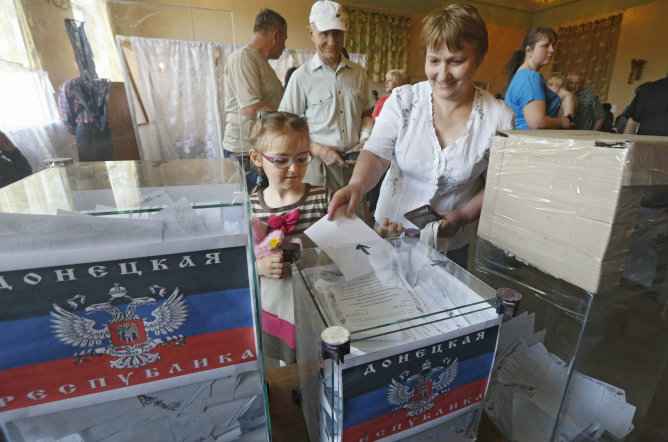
[399, 347]
[127, 301]
[577, 224]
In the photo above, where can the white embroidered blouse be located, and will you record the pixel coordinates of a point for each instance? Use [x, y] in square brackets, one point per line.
[421, 172]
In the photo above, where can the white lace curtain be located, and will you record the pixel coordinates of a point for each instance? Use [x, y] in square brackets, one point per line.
[179, 92]
[179, 85]
[29, 115]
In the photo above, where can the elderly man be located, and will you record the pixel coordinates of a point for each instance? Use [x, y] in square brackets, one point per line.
[251, 85]
[332, 93]
[589, 112]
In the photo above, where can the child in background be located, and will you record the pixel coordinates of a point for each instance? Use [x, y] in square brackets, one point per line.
[394, 78]
[557, 85]
[282, 151]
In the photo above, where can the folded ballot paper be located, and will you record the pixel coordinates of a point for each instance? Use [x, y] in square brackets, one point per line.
[528, 387]
[566, 202]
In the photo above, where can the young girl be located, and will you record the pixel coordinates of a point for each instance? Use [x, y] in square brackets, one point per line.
[282, 150]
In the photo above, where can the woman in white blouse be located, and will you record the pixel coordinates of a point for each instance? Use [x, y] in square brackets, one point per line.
[434, 136]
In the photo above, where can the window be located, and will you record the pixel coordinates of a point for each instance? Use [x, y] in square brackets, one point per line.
[13, 47]
[98, 31]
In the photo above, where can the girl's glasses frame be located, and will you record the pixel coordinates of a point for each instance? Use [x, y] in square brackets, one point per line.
[284, 161]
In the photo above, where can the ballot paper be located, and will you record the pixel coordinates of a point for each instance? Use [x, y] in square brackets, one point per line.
[529, 384]
[350, 243]
[406, 296]
[226, 409]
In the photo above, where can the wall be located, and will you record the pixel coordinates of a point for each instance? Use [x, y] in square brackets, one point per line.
[643, 35]
[210, 20]
[582, 10]
[47, 26]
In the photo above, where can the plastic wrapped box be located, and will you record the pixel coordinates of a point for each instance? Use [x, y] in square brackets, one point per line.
[567, 201]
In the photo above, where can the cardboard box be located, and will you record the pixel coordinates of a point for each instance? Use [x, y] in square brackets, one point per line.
[566, 202]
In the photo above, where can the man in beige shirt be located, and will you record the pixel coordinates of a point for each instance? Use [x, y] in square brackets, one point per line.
[251, 85]
[332, 93]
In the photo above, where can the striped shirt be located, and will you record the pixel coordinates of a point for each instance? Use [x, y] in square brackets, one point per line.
[312, 206]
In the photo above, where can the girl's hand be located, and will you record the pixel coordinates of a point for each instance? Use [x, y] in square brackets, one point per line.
[388, 228]
[273, 266]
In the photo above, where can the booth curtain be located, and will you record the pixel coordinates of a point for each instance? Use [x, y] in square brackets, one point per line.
[179, 85]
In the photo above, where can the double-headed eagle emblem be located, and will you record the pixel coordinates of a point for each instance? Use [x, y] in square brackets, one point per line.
[126, 336]
[416, 393]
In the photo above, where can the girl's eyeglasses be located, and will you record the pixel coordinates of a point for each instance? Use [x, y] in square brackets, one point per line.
[284, 161]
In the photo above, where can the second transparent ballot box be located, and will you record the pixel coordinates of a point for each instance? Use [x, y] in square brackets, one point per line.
[128, 312]
[395, 343]
[577, 222]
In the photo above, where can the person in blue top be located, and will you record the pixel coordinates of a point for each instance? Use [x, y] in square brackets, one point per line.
[534, 104]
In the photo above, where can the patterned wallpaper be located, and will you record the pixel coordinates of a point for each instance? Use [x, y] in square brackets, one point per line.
[589, 49]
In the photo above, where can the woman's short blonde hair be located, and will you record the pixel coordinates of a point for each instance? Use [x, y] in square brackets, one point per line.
[453, 26]
[398, 75]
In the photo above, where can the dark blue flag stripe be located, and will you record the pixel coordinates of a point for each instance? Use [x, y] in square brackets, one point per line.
[373, 404]
[31, 341]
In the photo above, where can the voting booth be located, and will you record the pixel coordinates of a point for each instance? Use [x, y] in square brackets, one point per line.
[394, 342]
[577, 222]
[127, 308]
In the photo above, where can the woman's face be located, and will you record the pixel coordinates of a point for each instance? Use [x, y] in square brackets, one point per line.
[542, 52]
[451, 72]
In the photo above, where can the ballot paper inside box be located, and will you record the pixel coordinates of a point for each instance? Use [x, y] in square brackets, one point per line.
[423, 339]
[574, 366]
[566, 202]
[225, 409]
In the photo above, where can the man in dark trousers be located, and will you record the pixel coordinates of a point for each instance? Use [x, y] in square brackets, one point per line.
[648, 112]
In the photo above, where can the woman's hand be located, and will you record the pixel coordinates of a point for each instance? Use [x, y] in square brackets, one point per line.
[348, 198]
[273, 266]
[388, 228]
[450, 224]
[327, 154]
